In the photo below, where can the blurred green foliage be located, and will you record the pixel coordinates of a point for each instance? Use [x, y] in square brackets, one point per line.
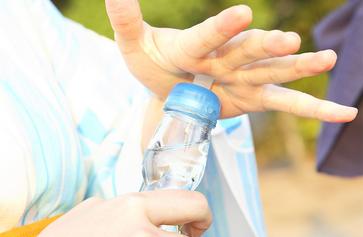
[289, 15]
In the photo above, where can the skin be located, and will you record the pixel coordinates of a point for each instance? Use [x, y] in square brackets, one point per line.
[245, 63]
[246, 66]
[135, 215]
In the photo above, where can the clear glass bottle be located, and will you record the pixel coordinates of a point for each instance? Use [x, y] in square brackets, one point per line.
[177, 154]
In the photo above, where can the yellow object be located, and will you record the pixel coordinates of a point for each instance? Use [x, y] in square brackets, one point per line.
[31, 230]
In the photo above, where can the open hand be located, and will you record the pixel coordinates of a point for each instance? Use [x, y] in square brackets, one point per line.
[245, 64]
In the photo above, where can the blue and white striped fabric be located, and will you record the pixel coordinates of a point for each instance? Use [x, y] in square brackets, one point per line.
[70, 126]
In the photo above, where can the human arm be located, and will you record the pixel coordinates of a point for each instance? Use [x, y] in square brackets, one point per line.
[136, 214]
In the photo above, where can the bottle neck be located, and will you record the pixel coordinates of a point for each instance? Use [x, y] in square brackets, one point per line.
[192, 118]
[178, 129]
[195, 122]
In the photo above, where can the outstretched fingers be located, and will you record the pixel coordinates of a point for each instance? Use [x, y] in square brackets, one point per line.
[254, 45]
[302, 104]
[286, 69]
[209, 35]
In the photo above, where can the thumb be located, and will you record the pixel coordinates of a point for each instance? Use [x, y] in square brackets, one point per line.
[126, 20]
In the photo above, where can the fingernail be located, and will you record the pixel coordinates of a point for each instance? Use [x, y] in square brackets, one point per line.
[349, 115]
[292, 36]
[353, 113]
[234, 19]
[244, 10]
[330, 53]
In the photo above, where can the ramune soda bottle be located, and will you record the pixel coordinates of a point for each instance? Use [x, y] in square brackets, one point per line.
[177, 154]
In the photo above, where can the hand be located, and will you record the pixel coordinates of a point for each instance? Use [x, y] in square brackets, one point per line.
[135, 215]
[245, 64]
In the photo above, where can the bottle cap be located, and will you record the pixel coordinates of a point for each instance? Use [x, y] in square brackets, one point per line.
[195, 101]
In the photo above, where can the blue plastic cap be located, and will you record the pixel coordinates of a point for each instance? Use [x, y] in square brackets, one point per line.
[195, 101]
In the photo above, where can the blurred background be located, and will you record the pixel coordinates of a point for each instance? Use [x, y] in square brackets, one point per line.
[297, 200]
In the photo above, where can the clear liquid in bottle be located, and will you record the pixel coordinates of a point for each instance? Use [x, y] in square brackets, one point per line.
[177, 167]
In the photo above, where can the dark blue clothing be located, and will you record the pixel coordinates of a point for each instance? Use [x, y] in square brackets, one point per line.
[340, 146]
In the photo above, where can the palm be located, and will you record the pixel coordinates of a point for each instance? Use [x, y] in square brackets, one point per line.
[177, 65]
[244, 64]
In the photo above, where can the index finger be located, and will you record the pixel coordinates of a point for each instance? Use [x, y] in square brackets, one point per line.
[200, 40]
[177, 207]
